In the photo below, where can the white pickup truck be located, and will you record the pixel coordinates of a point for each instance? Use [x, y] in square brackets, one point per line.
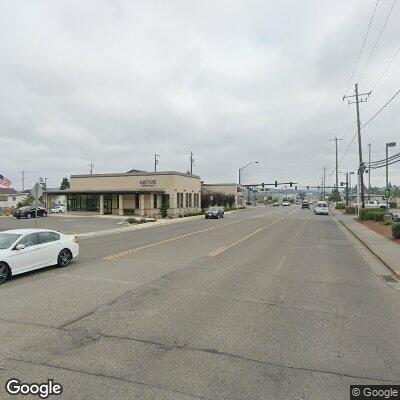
[374, 204]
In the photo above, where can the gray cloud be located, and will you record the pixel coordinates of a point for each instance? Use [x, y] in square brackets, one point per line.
[114, 82]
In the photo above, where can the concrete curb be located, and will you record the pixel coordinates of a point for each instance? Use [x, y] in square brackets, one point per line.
[391, 268]
[130, 228]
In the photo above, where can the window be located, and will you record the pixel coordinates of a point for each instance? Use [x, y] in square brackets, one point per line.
[29, 240]
[187, 199]
[165, 200]
[155, 201]
[83, 202]
[196, 199]
[137, 200]
[45, 237]
[189, 203]
[179, 200]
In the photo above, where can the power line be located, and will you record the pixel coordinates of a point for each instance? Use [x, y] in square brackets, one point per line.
[377, 40]
[386, 69]
[381, 109]
[356, 64]
[362, 47]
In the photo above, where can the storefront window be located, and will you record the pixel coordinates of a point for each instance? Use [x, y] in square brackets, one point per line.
[83, 202]
[165, 200]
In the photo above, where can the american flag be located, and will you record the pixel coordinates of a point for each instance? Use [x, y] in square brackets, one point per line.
[4, 181]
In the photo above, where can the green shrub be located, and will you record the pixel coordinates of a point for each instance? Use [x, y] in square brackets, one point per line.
[164, 211]
[340, 206]
[388, 223]
[378, 215]
[396, 230]
[350, 210]
[226, 208]
[369, 214]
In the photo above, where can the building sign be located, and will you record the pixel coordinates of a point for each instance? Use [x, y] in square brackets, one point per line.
[148, 182]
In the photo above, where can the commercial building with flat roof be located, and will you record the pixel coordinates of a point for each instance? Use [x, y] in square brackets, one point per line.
[232, 189]
[132, 193]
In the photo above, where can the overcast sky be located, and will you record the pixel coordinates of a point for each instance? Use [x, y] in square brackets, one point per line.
[116, 81]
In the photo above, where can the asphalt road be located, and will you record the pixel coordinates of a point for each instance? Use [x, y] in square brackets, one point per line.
[268, 303]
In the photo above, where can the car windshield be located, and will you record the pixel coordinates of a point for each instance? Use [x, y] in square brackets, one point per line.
[7, 239]
[213, 209]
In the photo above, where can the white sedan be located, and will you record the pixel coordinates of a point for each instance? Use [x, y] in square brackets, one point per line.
[321, 208]
[58, 209]
[23, 250]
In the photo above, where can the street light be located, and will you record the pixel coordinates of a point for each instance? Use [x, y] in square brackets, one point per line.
[390, 144]
[240, 169]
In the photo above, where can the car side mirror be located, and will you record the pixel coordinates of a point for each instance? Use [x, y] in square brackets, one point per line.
[19, 246]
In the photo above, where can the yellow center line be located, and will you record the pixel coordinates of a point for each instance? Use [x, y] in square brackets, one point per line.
[222, 249]
[137, 249]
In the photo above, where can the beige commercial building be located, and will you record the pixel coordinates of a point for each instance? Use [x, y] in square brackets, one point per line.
[132, 193]
[232, 189]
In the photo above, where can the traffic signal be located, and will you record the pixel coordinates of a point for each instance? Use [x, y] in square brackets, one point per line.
[295, 188]
[308, 187]
[341, 183]
[262, 185]
[291, 184]
[318, 187]
[276, 183]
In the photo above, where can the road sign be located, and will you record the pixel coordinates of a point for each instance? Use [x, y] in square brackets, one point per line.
[387, 193]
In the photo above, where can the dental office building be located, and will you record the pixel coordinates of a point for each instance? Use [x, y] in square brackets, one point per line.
[132, 193]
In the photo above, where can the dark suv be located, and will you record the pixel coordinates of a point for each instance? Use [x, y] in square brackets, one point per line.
[215, 212]
[305, 204]
[29, 212]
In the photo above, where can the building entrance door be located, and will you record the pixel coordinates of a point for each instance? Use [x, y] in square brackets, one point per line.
[108, 203]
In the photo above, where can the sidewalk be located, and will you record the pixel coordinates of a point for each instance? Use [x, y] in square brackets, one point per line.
[381, 247]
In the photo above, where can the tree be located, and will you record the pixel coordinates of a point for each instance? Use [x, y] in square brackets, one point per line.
[218, 199]
[28, 201]
[64, 184]
[335, 195]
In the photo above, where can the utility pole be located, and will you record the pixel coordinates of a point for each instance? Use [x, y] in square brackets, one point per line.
[337, 165]
[191, 158]
[91, 165]
[347, 189]
[23, 179]
[369, 171]
[361, 166]
[156, 161]
[324, 180]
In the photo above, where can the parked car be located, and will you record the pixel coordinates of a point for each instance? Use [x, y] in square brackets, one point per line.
[275, 204]
[305, 204]
[396, 217]
[29, 212]
[321, 208]
[285, 203]
[215, 212]
[23, 250]
[58, 209]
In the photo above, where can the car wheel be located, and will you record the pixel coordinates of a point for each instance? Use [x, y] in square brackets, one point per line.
[222, 215]
[44, 215]
[29, 216]
[64, 258]
[5, 272]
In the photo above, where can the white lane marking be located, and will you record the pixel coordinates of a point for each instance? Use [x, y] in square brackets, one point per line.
[294, 210]
[134, 250]
[280, 264]
[220, 250]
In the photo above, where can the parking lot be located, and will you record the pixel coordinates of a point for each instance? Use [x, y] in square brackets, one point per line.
[63, 223]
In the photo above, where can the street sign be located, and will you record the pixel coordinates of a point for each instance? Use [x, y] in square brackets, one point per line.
[387, 193]
[37, 190]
